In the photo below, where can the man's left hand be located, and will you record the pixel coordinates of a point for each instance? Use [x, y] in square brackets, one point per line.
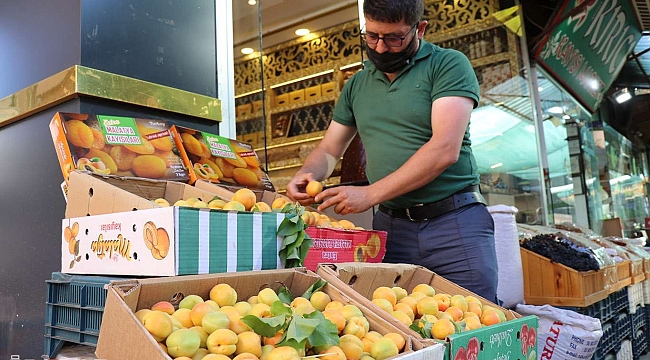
[345, 199]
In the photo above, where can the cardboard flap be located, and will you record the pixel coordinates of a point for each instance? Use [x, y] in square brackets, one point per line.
[122, 329]
[128, 291]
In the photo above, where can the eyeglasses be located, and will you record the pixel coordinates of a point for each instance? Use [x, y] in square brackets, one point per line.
[389, 40]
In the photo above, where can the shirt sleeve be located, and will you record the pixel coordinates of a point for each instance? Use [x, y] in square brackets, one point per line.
[343, 113]
[453, 75]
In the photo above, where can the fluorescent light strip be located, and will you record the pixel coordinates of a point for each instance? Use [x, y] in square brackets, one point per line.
[351, 65]
[302, 78]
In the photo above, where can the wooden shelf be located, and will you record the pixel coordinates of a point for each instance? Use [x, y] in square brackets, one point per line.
[303, 104]
[256, 115]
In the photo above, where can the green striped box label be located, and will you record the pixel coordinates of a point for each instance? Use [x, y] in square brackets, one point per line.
[212, 241]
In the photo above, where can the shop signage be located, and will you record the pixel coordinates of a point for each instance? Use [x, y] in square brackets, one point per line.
[586, 51]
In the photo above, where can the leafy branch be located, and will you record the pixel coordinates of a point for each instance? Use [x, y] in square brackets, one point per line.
[297, 329]
[296, 242]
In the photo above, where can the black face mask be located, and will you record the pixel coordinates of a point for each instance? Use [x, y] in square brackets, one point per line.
[392, 62]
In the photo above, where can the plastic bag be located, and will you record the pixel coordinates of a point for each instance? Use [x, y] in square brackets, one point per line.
[510, 289]
[564, 334]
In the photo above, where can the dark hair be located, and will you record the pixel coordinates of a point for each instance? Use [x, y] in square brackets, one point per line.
[394, 11]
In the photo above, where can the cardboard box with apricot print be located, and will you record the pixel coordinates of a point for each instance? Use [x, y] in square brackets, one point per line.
[116, 146]
[220, 160]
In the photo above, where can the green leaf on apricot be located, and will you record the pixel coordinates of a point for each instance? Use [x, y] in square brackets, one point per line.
[326, 333]
[317, 286]
[267, 327]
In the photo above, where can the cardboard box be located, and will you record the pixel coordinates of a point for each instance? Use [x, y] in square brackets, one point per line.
[328, 88]
[500, 341]
[330, 245]
[170, 241]
[257, 105]
[116, 145]
[244, 110]
[218, 159]
[126, 297]
[338, 245]
[93, 194]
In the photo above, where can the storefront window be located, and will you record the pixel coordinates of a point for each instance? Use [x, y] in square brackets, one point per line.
[626, 171]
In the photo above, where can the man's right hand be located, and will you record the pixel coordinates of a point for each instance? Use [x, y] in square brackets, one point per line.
[296, 188]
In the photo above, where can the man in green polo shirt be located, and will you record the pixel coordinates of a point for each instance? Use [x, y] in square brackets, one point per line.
[411, 107]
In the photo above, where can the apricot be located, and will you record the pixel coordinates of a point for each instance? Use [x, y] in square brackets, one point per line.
[351, 346]
[252, 161]
[336, 318]
[78, 133]
[402, 317]
[333, 353]
[216, 204]
[411, 302]
[246, 356]
[350, 310]
[245, 177]
[314, 188]
[356, 326]
[383, 348]
[215, 169]
[200, 205]
[183, 342]
[406, 309]
[167, 156]
[122, 157]
[98, 139]
[141, 313]
[234, 205]
[200, 354]
[183, 315]
[472, 323]
[458, 301]
[384, 305]
[274, 340]
[397, 339]
[226, 167]
[238, 161]
[346, 224]
[105, 158]
[372, 249]
[213, 321]
[384, 292]
[163, 143]
[279, 203]
[189, 301]
[444, 301]
[223, 294]
[370, 338]
[455, 312]
[162, 248]
[243, 308]
[161, 202]
[215, 357]
[490, 317]
[283, 353]
[249, 342]
[212, 303]
[176, 324]
[260, 310]
[334, 305]
[261, 206]
[222, 341]
[191, 144]
[149, 166]
[198, 312]
[144, 148]
[472, 299]
[181, 203]
[203, 335]
[319, 300]
[164, 306]
[246, 197]
[442, 328]
[158, 323]
[426, 289]
[400, 293]
[427, 306]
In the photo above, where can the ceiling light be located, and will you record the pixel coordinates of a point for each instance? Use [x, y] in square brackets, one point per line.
[496, 165]
[302, 32]
[247, 51]
[556, 110]
[252, 2]
[622, 95]
[566, 117]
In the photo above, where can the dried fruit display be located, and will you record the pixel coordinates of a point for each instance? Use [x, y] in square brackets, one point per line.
[560, 248]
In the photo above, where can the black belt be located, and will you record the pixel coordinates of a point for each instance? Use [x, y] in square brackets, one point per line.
[423, 212]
